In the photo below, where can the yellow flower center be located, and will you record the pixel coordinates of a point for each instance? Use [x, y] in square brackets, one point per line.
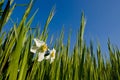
[52, 54]
[43, 48]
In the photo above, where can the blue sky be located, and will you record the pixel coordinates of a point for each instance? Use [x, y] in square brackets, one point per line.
[103, 18]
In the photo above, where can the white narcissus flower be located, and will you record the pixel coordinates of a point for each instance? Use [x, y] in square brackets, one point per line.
[51, 55]
[40, 47]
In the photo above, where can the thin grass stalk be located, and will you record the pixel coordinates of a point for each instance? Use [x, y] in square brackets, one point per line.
[81, 33]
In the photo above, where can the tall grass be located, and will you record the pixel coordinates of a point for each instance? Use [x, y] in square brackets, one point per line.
[16, 60]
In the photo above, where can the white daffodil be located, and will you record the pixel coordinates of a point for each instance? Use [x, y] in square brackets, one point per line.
[40, 47]
[50, 55]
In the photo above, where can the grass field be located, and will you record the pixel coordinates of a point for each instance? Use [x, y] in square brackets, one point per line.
[18, 63]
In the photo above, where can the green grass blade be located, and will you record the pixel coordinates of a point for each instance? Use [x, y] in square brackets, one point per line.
[44, 33]
[23, 70]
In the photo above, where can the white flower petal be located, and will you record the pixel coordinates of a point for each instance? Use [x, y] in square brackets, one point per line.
[52, 55]
[51, 60]
[33, 50]
[41, 56]
[52, 52]
[47, 57]
[38, 42]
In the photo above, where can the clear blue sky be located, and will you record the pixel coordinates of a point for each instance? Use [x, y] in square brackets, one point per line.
[103, 18]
